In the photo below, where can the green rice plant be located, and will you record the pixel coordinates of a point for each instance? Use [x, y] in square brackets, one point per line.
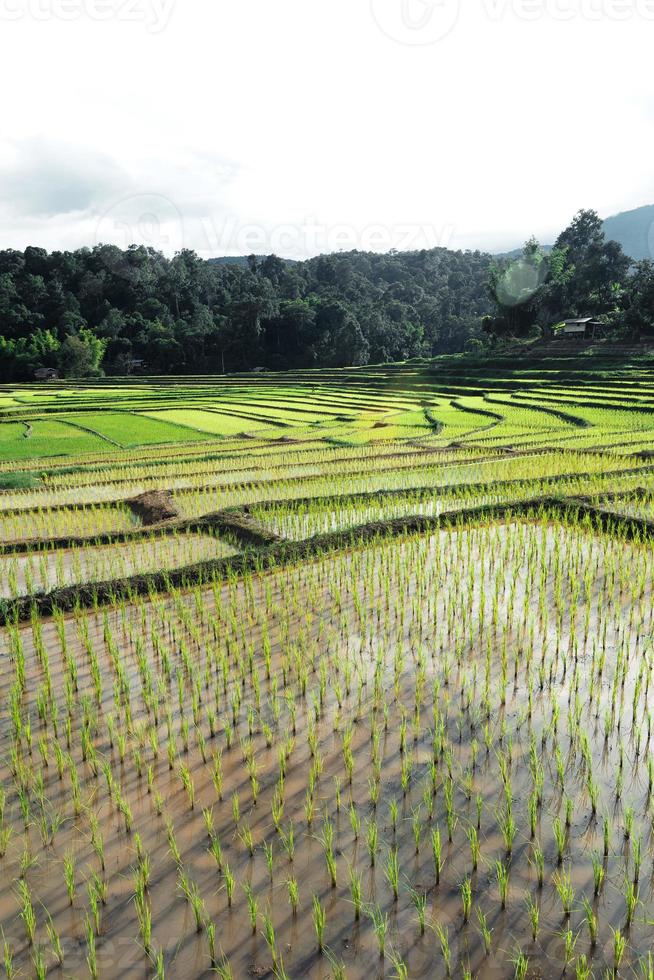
[246, 838]
[269, 856]
[372, 840]
[210, 929]
[628, 822]
[466, 899]
[288, 841]
[216, 851]
[144, 918]
[230, 882]
[437, 853]
[268, 933]
[534, 917]
[253, 908]
[379, 927]
[26, 911]
[560, 838]
[619, 948]
[38, 963]
[393, 813]
[319, 922]
[508, 829]
[598, 873]
[355, 821]
[91, 953]
[223, 969]
[392, 872]
[569, 945]
[8, 958]
[502, 876]
[159, 966]
[69, 876]
[591, 921]
[446, 952]
[563, 885]
[337, 969]
[356, 892]
[419, 900]
[401, 969]
[646, 967]
[293, 894]
[583, 969]
[521, 964]
[636, 853]
[486, 932]
[631, 902]
[475, 849]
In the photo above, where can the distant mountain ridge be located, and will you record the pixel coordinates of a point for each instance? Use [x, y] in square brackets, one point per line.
[634, 230]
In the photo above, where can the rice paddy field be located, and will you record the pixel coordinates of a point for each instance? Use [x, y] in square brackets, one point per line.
[328, 674]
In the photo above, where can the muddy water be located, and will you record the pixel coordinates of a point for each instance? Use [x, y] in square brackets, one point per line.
[466, 623]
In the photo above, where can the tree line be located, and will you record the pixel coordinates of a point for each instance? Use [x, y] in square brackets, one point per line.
[108, 311]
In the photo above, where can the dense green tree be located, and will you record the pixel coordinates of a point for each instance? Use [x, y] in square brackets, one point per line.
[186, 315]
[80, 355]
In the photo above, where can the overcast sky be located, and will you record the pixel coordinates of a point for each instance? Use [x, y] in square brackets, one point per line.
[300, 126]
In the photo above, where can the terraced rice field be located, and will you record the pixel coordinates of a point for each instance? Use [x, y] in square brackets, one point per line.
[334, 674]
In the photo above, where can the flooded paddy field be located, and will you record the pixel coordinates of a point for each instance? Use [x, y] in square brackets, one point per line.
[437, 748]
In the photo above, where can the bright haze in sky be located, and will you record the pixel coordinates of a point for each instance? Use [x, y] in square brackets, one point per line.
[302, 126]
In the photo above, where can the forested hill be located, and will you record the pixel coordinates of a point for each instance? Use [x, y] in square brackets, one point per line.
[104, 309]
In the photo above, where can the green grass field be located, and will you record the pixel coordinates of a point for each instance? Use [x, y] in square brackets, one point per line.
[329, 674]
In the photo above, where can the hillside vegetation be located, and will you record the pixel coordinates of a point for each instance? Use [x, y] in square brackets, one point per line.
[104, 311]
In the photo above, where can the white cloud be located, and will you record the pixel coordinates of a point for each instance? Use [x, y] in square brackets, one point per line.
[241, 125]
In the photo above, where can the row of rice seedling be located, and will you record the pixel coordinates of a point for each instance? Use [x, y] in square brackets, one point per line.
[305, 518]
[193, 503]
[66, 522]
[189, 477]
[229, 461]
[50, 569]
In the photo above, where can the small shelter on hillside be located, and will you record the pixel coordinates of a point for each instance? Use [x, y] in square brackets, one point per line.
[46, 374]
[582, 328]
